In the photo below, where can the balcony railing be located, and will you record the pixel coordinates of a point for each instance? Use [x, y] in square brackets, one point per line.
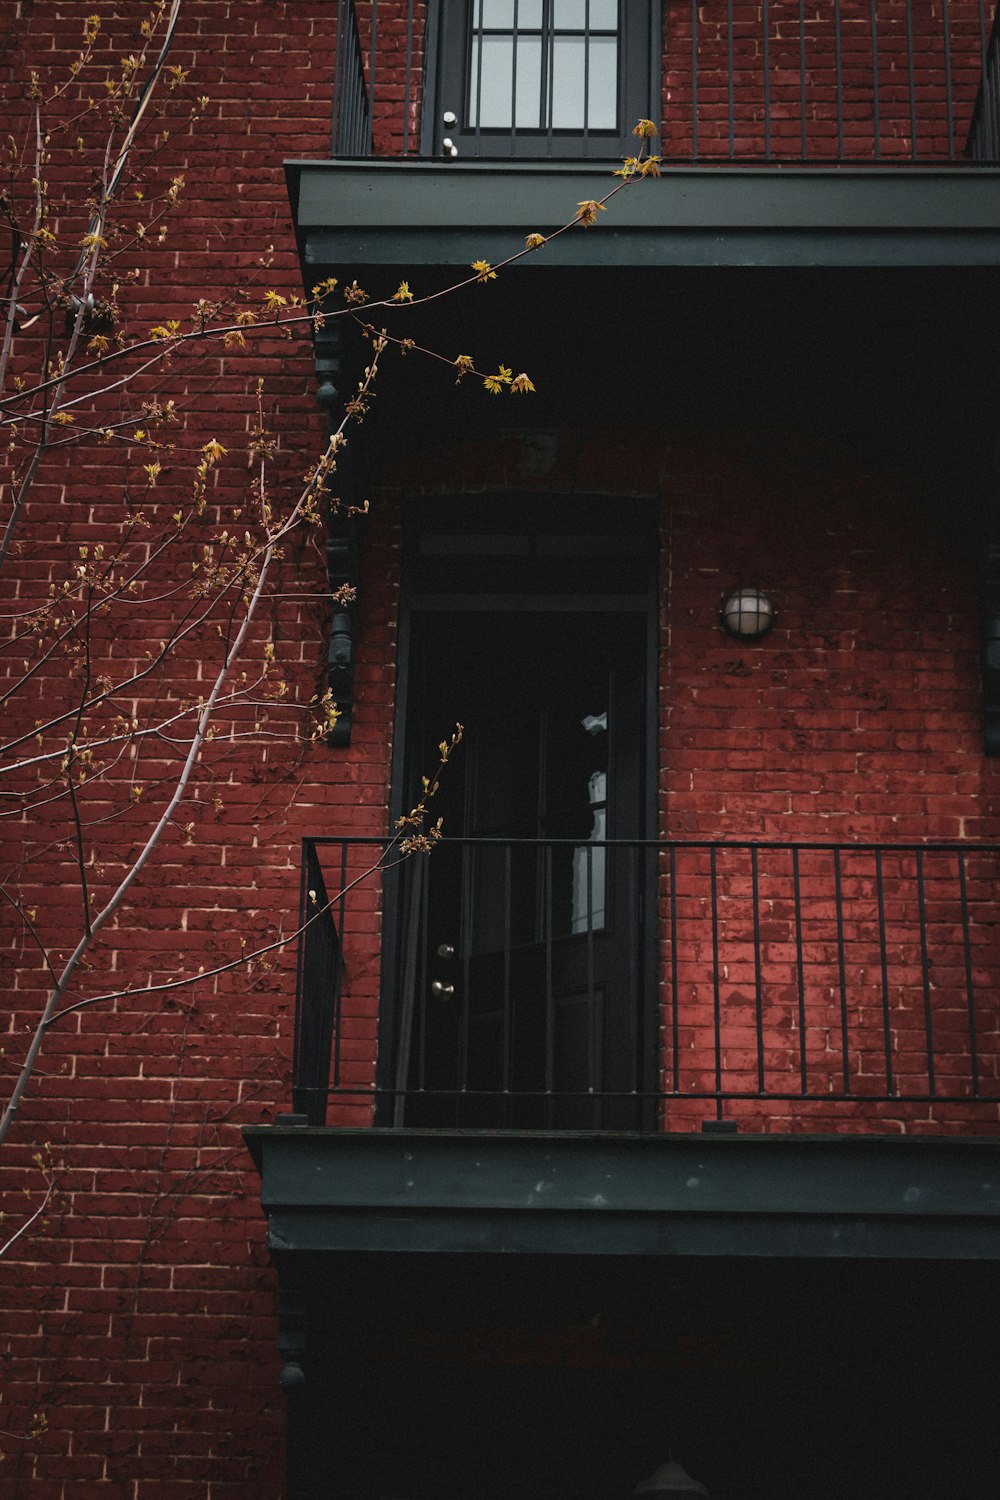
[552, 984]
[848, 81]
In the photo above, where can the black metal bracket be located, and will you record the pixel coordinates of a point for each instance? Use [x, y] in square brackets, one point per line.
[343, 550]
[991, 651]
[291, 1337]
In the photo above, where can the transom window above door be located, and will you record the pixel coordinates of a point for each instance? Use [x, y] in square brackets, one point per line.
[541, 77]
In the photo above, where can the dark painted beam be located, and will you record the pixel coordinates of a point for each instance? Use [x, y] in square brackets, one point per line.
[371, 213]
[424, 1191]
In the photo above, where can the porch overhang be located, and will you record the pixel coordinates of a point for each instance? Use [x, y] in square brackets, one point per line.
[381, 1192]
[406, 213]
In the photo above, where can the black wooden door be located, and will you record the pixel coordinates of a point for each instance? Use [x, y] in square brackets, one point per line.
[527, 956]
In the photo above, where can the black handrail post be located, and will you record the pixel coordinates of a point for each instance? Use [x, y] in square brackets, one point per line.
[318, 991]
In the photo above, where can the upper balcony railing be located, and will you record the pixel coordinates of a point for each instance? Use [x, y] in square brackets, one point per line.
[772, 81]
[556, 984]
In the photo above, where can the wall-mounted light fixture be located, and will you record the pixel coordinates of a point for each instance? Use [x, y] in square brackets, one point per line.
[747, 613]
[669, 1480]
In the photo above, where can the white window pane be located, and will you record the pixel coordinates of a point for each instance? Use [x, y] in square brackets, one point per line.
[567, 83]
[491, 83]
[571, 15]
[603, 84]
[604, 15]
[498, 15]
[495, 13]
[529, 83]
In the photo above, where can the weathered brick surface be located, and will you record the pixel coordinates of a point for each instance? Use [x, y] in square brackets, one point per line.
[141, 1319]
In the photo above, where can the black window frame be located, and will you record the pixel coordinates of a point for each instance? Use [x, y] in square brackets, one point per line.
[446, 89]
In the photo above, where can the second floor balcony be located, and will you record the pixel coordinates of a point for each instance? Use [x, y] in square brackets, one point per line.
[850, 81]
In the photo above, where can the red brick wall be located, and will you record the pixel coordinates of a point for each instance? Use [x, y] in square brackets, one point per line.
[140, 1320]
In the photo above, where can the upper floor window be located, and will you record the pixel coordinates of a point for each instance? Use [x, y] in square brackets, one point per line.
[541, 77]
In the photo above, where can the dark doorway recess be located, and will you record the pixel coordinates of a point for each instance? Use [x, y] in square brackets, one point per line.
[522, 970]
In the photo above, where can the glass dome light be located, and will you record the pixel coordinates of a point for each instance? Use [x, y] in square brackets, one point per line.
[747, 613]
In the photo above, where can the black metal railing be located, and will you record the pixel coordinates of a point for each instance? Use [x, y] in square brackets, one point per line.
[984, 134]
[890, 81]
[547, 984]
[353, 84]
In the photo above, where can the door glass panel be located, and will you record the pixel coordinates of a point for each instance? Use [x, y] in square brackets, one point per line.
[566, 75]
[572, 15]
[580, 101]
[499, 14]
[491, 82]
[602, 89]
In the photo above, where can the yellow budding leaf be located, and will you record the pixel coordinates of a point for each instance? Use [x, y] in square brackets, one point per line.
[402, 293]
[644, 129]
[484, 271]
[587, 211]
[521, 385]
[534, 241]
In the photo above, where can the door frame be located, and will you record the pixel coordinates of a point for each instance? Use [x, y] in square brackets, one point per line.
[568, 516]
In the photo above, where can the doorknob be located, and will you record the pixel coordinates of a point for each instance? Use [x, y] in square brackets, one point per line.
[442, 991]
[449, 117]
[445, 950]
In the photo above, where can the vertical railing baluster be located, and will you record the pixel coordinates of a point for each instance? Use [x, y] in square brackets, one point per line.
[985, 102]
[586, 76]
[635, 946]
[758, 987]
[507, 1023]
[970, 992]
[800, 970]
[948, 88]
[911, 78]
[884, 967]
[594, 1068]
[925, 970]
[839, 74]
[408, 81]
[550, 1012]
[478, 33]
[470, 866]
[838, 900]
[298, 1035]
[338, 988]
[732, 79]
[338, 38]
[513, 101]
[716, 1010]
[694, 80]
[876, 102]
[674, 979]
[802, 79]
[369, 142]
[767, 81]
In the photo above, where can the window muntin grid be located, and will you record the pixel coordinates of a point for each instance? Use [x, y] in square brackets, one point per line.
[540, 65]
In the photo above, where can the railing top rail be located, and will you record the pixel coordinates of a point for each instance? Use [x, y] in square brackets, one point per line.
[928, 846]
